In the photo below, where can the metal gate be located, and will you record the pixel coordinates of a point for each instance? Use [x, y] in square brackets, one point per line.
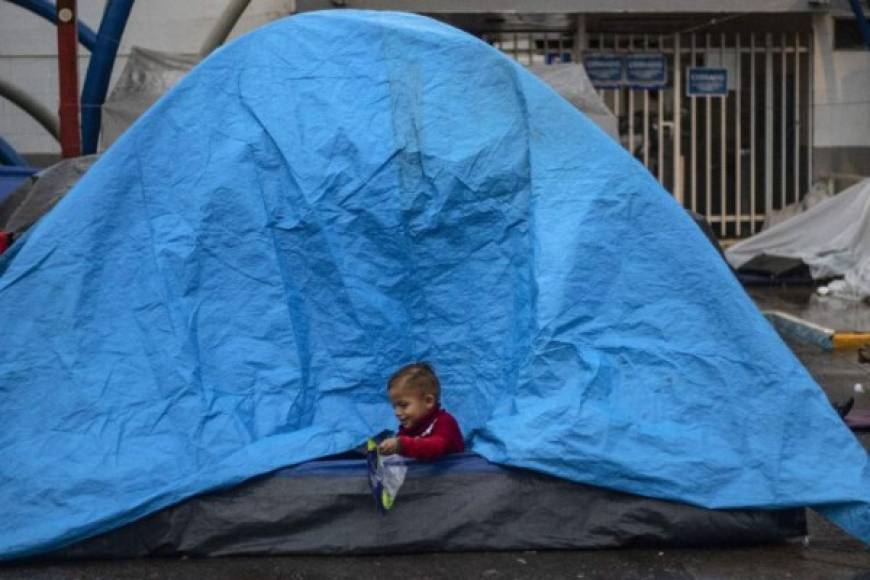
[732, 158]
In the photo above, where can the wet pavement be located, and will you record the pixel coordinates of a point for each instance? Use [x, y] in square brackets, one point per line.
[827, 552]
[802, 301]
[755, 563]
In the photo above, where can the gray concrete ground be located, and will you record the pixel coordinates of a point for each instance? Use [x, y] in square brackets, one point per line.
[828, 553]
[802, 301]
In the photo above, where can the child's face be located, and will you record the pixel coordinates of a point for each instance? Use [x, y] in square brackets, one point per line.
[410, 405]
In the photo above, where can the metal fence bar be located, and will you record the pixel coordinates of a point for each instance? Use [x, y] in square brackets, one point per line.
[708, 154]
[693, 170]
[738, 142]
[600, 47]
[530, 45]
[646, 114]
[768, 124]
[752, 88]
[630, 121]
[722, 192]
[723, 147]
[678, 154]
[617, 108]
[797, 116]
[811, 102]
[660, 167]
[783, 146]
[630, 100]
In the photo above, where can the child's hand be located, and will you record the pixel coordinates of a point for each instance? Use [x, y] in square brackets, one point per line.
[389, 446]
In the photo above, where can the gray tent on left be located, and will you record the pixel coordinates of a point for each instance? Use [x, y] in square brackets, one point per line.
[40, 192]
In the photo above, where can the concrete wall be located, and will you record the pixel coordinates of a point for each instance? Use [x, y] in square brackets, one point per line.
[841, 92]
[28, 48]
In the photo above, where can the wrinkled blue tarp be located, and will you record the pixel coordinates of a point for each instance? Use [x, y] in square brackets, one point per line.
[336, 194]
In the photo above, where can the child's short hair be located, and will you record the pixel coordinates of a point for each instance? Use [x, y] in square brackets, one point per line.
[419, 375]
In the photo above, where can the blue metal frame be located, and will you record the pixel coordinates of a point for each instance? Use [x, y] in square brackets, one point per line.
[9, 156]
[100, 70]
[104, 49]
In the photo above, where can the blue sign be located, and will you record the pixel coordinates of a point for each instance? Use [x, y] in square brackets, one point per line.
[706, 82]
[646, 70]
[556, 57]
[605, 69]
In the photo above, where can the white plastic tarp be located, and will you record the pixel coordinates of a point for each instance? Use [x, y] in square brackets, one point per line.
[147, 75]
[150, 73]
[832, 238]
[572, 83]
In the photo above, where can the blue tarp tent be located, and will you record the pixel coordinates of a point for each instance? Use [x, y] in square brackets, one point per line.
[336, 194]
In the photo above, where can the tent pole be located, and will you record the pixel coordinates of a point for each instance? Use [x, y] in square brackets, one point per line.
[67, 62]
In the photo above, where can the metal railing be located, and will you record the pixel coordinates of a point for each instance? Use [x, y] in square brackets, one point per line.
[732, 158]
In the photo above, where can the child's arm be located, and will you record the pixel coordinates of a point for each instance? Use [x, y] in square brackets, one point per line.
[423, 447]
[445, 438]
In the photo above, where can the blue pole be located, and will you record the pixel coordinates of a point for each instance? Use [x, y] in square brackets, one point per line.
[9, 156]
[862, 22]
[48, 11]
[100, 70]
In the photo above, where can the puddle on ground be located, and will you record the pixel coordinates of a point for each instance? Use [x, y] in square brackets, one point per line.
[828, 311]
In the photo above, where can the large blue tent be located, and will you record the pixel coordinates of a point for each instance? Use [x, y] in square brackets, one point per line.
[338, 193]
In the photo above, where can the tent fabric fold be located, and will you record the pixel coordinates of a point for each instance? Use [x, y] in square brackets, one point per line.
[225, 292]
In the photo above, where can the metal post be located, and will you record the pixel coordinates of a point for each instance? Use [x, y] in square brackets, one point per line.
[630, 109]
[40, 113]
[99, 73]
[530, 38]
[811, 113]
[783, 189]
[752, 88]
[646, 115]
[708, 151]
[693, 170]
[797, 115]
[738, 142]
[660, 167]
[678, 113]
[581, 39]
[68, 72]
[723, 149]
[768, 124]
[604, 92]
[617, 106]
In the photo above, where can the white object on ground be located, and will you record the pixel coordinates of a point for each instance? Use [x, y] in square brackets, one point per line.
[572, 83]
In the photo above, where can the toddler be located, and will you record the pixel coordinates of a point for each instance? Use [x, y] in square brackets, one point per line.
[426, 431]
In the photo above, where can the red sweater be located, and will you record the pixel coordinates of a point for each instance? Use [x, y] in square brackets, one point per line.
[5, 241]
[435, 435]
